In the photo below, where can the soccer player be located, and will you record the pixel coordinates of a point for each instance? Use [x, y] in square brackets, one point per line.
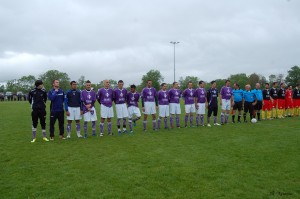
[149, 104]
[200, 103]
[175, 110]
[212, 100]
[238, 95]
[163, 105]
[259, 97]
[267, 103]
[56, 96]
[249, 102]
[281, 100]
[189, 103]
[121, 108]
[73, 108]
[274, 98]
[296, 98]
[289, 105]
[226, 100]
[37, 98]
[132, 100]
[105, 99]
[88, 98]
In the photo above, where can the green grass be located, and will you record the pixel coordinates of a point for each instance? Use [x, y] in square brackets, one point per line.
[233, 161]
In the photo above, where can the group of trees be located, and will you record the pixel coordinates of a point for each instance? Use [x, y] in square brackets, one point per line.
[25, 83]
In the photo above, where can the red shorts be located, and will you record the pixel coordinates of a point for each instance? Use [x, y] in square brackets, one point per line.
[289, 103]
[267, 105]
[281, 103]
[296, 103]
[274, 103]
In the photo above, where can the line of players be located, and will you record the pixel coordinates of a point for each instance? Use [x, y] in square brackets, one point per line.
[76, 103]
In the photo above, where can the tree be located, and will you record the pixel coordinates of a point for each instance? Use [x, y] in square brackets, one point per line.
[240, 79]
[50, 75]
[184, 82]
[280, 78]
[153, 75]
[272, 78]
[25, 83]
[2, 88]
[253, 79]
[11, 85]
[220, 83]
[293, 76]
[81, 82]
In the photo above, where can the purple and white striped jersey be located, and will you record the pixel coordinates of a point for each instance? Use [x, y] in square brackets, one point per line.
[226, 92]
[174, 95]
[163, 97]
[88, 97]
[133, 99]
[105, 96]
[188, 95]
[148, 94]
[200, 94]
[120, 95]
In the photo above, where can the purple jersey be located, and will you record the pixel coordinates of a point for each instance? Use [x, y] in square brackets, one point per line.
[200, 94]
[133, 99]
[105, 96]
[163, 97]
[120, 96]
[148, 94]
[174, 95]
[226, 92]
[88, 97]
[188, 95]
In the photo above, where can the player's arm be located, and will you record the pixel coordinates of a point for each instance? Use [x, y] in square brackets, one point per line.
[98, 96]
[29, 97]
[45, 96]
[66, 101]
[156, 100]
[52, 95]
[220, 96]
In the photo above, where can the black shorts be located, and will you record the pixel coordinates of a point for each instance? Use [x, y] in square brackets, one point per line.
[258, 105]
[238, 106]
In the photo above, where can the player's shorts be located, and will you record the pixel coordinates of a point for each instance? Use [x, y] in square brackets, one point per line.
[133, 110]
[90, 116]
[267, 105]
[296, 103]
[281, 103]
[164, 110]
[121, 110]
[150, 108]
[238, 106]
[106, 112]
[201, 108]
[258, 105]
[226, 104]
[74, 113]
[175, 108]
[275, 103]
[190, 108]
[289, 103]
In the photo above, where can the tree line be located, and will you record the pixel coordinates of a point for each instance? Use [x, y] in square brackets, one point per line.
[26, 83]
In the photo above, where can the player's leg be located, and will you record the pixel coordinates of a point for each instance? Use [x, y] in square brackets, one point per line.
[109, 126]
[53, 116]
[102, 120]
[154, 122]
[42, 117]
[172, 112]
[215, 113]
[160, 116]
[153, 112]
[178, 112]
[61, 120]
[193, 110]
[69, 126]
[246, 109]
[233, 113]
[34, 118]
[78, 129]
[167, 114]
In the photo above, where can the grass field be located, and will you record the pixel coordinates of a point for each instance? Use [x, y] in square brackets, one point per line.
[233, 161]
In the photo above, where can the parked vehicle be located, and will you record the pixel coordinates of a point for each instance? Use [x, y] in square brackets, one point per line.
[2, 96]
[9, 96]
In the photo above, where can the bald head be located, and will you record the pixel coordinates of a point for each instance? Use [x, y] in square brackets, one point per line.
[257, 85]
[106, 83]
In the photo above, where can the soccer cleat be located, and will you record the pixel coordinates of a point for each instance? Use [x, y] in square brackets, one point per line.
[79, 136]
[45, 139]
[239, 121]
[94, 134]
[119, 132]
[178, 127]
[222, 123]
[125, 131]
[245, 121]
[33, 140]
[233, 121]
[62, 137]
[68, 136]
[217, 124]
[101, 134]
[51, 138]
[208, 125]
[85, 135]
[134, 123]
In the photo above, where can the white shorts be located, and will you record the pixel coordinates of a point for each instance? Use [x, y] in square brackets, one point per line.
[150, 108]
[164, 111]
[201, 108]
[190, 108]
[226, 104]
[121, 110]
[74, 113]
[175, 108]
[133, 110]
[88, 117]
[106, 112]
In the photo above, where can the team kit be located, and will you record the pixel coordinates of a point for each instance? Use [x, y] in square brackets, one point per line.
[267, 104]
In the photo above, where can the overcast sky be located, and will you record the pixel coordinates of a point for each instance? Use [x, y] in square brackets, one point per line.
[124, 39]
